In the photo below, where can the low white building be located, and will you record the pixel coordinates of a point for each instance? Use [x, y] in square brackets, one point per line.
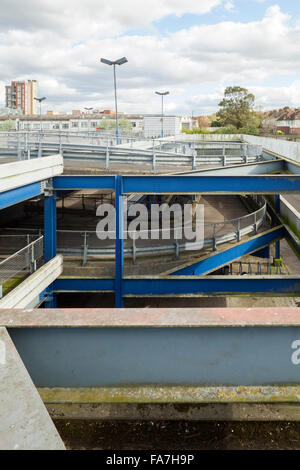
[153, 126]
[71, 122]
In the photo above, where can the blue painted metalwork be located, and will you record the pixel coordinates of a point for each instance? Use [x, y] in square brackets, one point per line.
[15, 196]
[119, 242]
[84, 182]
[211, 285]
[50, 242]
[50, 297]
[84, 285]
[172, 285]
[215, 260]
[99, 357]
[215, 184]
[277, 208]
[185, 184]
[49, 228]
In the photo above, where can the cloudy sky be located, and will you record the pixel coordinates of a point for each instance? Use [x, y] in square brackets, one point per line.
[194, 49]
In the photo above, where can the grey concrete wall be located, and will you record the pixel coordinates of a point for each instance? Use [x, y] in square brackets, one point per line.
[288, 211]
[283, 148]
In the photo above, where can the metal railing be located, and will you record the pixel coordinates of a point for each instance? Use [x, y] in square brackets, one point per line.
[159, 153]
[20, 264]
[86, 244]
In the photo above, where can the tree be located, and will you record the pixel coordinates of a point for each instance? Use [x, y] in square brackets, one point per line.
[236, 108]
[109, 124]
[8, 125]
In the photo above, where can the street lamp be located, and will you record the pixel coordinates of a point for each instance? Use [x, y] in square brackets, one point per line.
[89, 121]
[121, 61]
[162, 94]
[40, 101]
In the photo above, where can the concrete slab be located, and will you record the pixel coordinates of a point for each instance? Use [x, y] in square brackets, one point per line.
[21, 173]
[24, 420]
[28, 291]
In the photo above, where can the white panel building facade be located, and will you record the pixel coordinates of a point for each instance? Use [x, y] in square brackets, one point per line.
[153, 126]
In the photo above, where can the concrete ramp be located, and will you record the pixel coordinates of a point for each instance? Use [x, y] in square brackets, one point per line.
[24, 420]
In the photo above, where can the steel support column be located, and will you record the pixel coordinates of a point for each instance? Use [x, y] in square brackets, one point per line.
[277, 208]
[119, 244]
[50, 241]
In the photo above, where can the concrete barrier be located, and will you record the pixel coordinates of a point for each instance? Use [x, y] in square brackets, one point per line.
[21, 173]
[28, 291]
[283, 148]
[289, 212]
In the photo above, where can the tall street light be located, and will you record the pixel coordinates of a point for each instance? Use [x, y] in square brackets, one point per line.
[162, 94]
[40, 101]
[121, 61]
[89, 120]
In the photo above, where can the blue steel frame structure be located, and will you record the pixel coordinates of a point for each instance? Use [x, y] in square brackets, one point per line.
[162, 285]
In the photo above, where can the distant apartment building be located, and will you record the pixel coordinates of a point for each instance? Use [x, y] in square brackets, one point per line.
[20, 95]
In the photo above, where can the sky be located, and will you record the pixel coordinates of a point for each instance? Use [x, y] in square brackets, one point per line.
[192, 49]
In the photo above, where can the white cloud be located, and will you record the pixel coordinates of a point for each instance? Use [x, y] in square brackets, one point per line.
[229, 6]
[93, 18]
[61, 47]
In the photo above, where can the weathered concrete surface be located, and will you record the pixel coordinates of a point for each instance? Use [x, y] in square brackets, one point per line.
[16, 174]
[25, 293]
[168, 411]
[151, 318]
[24, 421]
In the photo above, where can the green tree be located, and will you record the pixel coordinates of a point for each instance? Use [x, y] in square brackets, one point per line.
[109, 124]
[236, 108]
[7, 126]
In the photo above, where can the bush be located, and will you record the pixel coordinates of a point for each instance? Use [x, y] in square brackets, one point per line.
[250, 130]
[197, 130]
[227, 130]
[216, 124]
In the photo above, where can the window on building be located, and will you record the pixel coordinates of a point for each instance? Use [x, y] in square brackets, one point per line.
[74, 124]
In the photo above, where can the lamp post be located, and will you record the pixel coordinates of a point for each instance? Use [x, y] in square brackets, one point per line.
[89, 121]
[121, 61]
[40, 101]
[162, 94]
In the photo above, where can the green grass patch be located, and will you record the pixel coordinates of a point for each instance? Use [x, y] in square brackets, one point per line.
[11, 284]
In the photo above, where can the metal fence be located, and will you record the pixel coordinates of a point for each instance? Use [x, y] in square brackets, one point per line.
[102, 148]
[86, 244]
[20, 264]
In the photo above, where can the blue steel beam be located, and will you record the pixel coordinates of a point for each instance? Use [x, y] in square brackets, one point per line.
[84, 182]
[84, 285]
[226, 285]
[216, 260]
[172, 285]
[103, 356]
[267, 184]
[15, 196]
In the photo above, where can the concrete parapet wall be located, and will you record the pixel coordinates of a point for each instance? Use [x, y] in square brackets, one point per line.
[283, 148]
[288, 211]
[17, 174]
[26, 292]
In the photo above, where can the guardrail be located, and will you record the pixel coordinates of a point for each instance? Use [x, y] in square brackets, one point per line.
[20, 264]
[86, 244]
[221, 154]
